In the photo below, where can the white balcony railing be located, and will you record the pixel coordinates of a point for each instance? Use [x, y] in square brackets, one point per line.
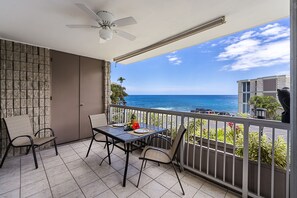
[250, 156]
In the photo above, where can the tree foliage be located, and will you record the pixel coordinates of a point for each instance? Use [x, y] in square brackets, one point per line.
[118, 94]
[268, 102]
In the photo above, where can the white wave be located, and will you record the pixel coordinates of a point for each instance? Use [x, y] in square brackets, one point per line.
[164, 108]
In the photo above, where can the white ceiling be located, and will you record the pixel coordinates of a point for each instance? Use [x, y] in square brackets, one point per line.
[42, 23]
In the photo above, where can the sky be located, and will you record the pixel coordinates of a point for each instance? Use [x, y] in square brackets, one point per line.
[214, 67]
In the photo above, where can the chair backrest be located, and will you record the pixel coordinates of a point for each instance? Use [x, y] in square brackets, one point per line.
[18, 125]
[98, 120]
[177, 141]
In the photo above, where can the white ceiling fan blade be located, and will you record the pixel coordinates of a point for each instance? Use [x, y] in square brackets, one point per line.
[82, 26]
[90, 12]
[124, 21]
[125, 35]
[101, 41]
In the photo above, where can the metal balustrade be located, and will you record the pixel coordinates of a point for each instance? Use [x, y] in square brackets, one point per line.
[218, 160]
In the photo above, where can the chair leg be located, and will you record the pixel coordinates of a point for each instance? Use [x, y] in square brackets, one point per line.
[34, 155]
[28, 149]
[6, 152]
[140, 174]
[178, 178]
[56, 147]
[145, 164]
[90, 146]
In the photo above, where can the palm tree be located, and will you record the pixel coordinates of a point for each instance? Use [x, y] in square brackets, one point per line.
[121, 80]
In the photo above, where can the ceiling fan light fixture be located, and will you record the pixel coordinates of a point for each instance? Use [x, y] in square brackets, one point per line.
[106, 34]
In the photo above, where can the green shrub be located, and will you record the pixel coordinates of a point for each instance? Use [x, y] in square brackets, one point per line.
[280, 149]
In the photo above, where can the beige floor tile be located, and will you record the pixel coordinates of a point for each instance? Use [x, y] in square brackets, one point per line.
[180, 174]
[77, 145]
[71, 158]
[106, 194]
[118, 165]
[50, 164]
[190, 191]
[75, 164]
[104, 170]
[131, 171]
[154, 189]
[32, 177]
[64, 188]
[75, 194]
[33, 189]
[166, 180]
[138, 194]
[80, 170]
[31, 168]
[9, 185]
[9, 172]
[113, 179]
[86, 179]
[231, 194]
[59, 178]
[201, 194]
[153, 171]
[11, 177]
[56, 170]
[213, 190]
[193, 180]
[12, 194]
[42, 194]
[143, 180]
[83, 149]
[95, 188]
[67, 153]
[123, 192]
[170, 194]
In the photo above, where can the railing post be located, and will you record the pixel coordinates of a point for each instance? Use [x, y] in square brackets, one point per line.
[146, 117]
[182, 145]
[110, 114]
[245, 168]
[124, 116]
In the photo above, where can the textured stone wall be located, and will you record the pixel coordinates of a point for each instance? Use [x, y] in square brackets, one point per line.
[25, 85]
[107, 90]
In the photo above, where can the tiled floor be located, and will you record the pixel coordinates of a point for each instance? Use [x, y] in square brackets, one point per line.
[71, 174]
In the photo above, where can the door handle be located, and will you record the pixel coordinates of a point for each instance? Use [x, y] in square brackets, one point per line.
[82, 104]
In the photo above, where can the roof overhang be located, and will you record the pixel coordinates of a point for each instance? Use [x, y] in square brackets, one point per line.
[43, 23]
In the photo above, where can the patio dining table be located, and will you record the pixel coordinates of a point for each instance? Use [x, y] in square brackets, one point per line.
[127, 138]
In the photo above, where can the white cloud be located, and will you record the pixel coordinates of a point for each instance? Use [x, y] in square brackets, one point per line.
[247, 35]
[174, 58]
[268, 46]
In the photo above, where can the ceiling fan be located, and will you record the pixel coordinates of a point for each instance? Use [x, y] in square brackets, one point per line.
[106, 23]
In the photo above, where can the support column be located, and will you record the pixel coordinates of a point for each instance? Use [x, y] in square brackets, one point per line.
[293, 88]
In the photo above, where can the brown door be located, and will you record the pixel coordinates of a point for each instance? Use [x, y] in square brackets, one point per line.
[91, 92]
[65, 96]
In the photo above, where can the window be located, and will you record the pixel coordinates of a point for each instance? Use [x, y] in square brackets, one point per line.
[248, 85]
[246, 88]
[244, 98]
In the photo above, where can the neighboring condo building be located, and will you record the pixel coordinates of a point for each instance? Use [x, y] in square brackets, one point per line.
[266, 86]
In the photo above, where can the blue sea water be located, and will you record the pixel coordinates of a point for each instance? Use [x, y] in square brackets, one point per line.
[228, 103]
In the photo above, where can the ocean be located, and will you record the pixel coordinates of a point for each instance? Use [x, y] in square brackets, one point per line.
[227, 103]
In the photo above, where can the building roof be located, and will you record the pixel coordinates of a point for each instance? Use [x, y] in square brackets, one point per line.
[42, 23]
[265, 77]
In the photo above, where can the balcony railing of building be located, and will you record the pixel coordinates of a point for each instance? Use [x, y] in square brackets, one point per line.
[250, 156]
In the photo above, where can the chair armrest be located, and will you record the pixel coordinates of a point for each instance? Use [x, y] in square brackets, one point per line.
[156, 149]
[160, 137]
[28, 136]
[44, 129]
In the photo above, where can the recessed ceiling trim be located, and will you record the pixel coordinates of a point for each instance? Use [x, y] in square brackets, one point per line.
[195, 30]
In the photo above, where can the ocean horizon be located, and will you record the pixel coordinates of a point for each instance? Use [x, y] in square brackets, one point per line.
[186, 103]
